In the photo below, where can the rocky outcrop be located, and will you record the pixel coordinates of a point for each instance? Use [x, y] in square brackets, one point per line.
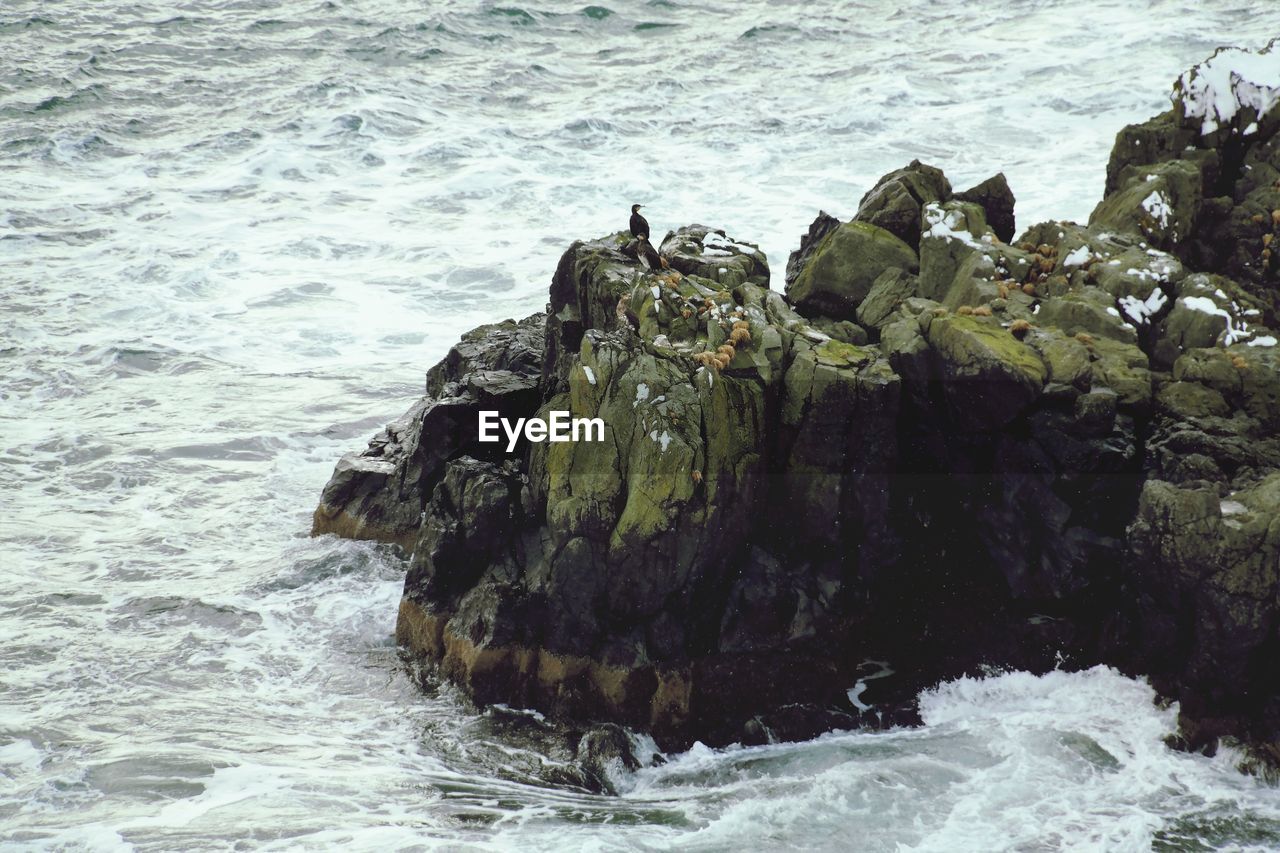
[380, 493]
[943, 447]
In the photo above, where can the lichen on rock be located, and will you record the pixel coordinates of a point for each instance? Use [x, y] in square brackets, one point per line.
[943, 443]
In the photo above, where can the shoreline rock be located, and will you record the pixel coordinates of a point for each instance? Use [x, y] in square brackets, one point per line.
[943, 447]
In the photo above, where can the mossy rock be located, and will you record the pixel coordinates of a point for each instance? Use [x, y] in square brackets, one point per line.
[904, 345]
[1160, 202]
[1187, 328]
[840, 354]
[1068, 359]
[1185, 400]
[950, 234]
[891, 289]
[1125, 369]
[894, 202]
[989, 376]
[1211, 367]
[844, 266]
[711, 254]
[1089, 310]
[839, 405]
[841, 330]
[1259, 369]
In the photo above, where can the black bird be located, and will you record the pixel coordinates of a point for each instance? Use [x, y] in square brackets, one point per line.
[639, 225]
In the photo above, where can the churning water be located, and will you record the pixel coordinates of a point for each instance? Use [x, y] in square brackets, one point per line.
[234, 234]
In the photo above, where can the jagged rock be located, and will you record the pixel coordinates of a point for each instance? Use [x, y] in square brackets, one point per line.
[1259, 369]
[1235, 312]
[894, 203]
[821, 226]
[843, 267]
[1189, 400]
[708, 253]
[908, 352]
[1214, 160]
[1156, 140]
[1195, 322]
[997, 202]
[844, 331]
[1125, 369]
[1069, 445]
[1214, 561]
[1161, 202]
[1089, 310]
[952, 249]
[838, 413]
[380, 493]
[605, 753]
[1067, 360]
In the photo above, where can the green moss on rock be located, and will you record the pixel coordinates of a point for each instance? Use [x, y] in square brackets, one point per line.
[842, 269]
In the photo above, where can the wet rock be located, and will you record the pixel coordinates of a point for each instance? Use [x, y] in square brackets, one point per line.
[605, 753]
[838, 444]
[1217, 561]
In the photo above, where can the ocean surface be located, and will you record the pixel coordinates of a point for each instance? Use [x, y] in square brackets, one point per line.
[233, 236]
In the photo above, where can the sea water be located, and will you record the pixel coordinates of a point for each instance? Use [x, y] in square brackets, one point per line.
[233, 236]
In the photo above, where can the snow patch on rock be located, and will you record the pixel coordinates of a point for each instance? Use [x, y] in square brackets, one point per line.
[1232, 80]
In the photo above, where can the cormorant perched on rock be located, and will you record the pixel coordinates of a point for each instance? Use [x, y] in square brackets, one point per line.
[639, 225]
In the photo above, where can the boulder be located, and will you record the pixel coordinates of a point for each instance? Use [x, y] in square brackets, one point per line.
[821, 226]
[1089, 311]
[890, 289]
[996, 200]
[843, 267]
[1161, 202]
[894, 203]
[954, 236]
[989, 377]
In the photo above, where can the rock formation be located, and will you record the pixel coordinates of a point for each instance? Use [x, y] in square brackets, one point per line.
[942, 447]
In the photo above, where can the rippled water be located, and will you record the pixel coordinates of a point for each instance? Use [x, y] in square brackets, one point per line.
[234, 234]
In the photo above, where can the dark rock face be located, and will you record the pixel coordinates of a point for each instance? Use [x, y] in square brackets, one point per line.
[996, 199]
[380, 492]
[943, 449]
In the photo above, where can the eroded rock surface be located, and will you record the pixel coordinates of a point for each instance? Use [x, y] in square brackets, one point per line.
[945, 447]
